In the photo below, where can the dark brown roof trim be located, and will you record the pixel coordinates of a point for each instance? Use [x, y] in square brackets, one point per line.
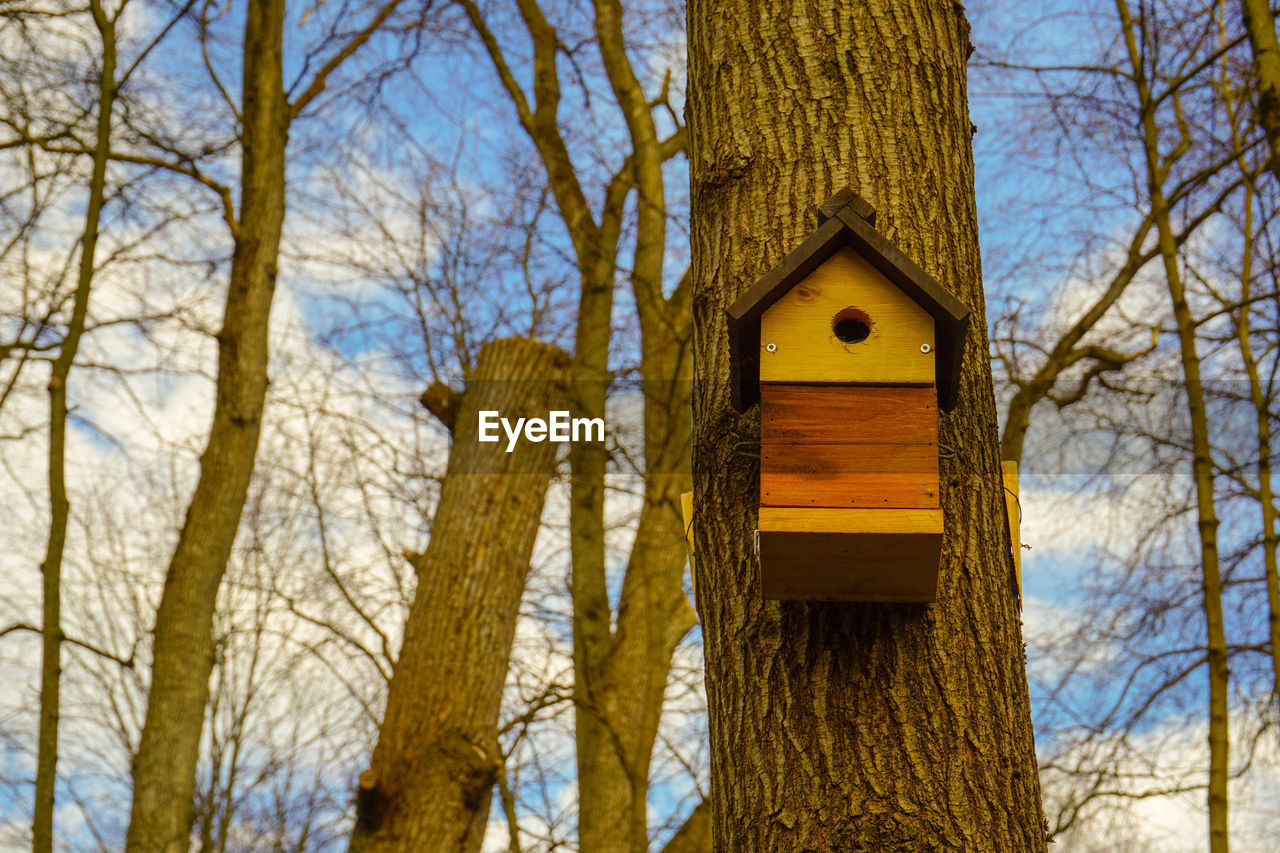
[847, 226]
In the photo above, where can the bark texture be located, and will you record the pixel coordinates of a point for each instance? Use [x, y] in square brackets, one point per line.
[430, 782]
[836, 726]
[165, 764]
[1260, 25]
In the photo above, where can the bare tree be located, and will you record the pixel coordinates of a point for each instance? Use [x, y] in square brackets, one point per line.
[437, 760]
[168, 750]
[620, 671]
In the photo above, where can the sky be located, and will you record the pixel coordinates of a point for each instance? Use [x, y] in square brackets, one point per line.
[361, 229]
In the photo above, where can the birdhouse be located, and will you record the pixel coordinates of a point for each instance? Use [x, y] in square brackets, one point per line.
[850, 349]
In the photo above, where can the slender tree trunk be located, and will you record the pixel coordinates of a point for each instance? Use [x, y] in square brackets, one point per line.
[620, 672]
[1262, 411]
[168, 752]
[430, 782]
[1158, 166]
[1207, 525]
[624, 677]
[1260, 25]
[837, 726]
[1257, 393]
[59, 505]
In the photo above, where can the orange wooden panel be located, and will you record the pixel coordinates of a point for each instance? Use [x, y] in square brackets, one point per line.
[848, 414]
[850, 554]
[844, 475]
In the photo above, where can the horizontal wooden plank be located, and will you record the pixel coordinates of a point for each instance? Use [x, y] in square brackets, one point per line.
[897, 491]
[849, 475]
[920, 459]
[847, 414]
[827, 520]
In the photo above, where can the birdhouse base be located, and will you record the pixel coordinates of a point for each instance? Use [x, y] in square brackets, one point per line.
[850, 554]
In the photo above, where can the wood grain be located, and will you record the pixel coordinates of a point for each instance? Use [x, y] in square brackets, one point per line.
[843, 475]
[847, 414]
[838, 520]
[799, 325]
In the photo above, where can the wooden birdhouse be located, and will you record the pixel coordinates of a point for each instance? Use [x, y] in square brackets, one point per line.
[850, 349]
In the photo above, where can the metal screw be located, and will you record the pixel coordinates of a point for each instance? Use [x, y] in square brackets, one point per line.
[925, 348]
[771, 347]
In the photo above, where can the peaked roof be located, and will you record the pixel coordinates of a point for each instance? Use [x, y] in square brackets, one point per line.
[846, 221]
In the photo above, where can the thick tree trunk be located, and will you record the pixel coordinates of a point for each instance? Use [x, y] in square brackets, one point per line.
[838, 726]
[59, 504]
[165, 765]
[1260, 25]
[430, 782]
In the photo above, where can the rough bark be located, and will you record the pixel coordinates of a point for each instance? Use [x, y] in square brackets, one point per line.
[59, 504]
[1260, 26]
[1158, 167]
[835, 726]
[430, 782]
[165, 764]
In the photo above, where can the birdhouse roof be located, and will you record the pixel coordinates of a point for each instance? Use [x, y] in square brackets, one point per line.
[848, 221]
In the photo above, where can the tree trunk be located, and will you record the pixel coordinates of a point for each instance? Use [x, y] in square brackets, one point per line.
[59, 504]
[1207, 526]
[1260, 25]
[168, 751]
[430, 782]
[621, 680]
[835, 726]
[1262, 412]
[694, 835]
[1157, 168]
[620, 675]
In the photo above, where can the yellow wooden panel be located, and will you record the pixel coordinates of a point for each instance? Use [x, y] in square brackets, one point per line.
[839, 520]
[806, 349]
[1009, 472]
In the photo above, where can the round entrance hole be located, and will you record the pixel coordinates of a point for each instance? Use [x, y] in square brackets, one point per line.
[851, 326]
